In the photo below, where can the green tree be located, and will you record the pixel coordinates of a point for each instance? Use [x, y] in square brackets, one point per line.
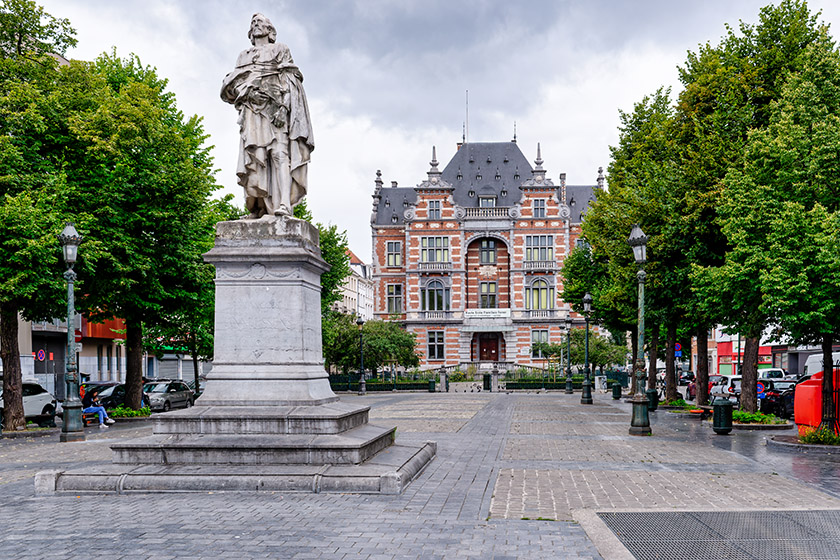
[142, 170]
[333, 244]
[383, 342]
[189, 324]
[783, 230]
[729, 90]
[32, 186]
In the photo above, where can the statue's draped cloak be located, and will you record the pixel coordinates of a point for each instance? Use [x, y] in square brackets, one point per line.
[263, 124]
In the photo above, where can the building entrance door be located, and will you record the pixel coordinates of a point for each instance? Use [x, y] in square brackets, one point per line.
[488, 347]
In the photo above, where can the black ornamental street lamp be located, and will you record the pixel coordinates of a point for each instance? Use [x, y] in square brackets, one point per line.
[569, 388]
[586, 394]
[362, 388]
[640, 424]
[72, 427]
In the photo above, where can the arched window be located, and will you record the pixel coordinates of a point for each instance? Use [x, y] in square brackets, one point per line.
[434, 297]
[539, 295]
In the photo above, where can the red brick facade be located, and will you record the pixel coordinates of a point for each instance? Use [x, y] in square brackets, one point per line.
[470, 258]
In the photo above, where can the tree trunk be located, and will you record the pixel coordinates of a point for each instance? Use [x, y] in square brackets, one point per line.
[653, 352]
[829, 404]
[670, 370]
[749, 375]
[701, 379]
[134, 364]
[10, 354]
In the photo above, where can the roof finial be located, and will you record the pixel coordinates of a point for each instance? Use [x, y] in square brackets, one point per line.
[600, 177]
[514, 132]
[434, 162]
[378, 180]
[464, 133]
[539, 160]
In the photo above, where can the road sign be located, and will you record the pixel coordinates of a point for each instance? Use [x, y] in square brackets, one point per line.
[678, 354]
[678, 347]
[78, 335]
[760, 387]
[41, 355]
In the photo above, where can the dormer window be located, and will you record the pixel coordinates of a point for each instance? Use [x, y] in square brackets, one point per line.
[387, 203]
[471, 194]
[504, 192]
[478, 177]
[487, 202]
[394, 219]
[459, 176]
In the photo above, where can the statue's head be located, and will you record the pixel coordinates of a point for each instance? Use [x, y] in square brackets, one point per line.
[261, 26]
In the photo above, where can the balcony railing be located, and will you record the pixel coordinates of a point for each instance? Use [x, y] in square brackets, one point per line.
[484, 213]
[539, 265]
[437, 315]
[435, 266]
[541, 313]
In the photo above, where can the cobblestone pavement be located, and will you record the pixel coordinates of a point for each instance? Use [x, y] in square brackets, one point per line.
[512, 475]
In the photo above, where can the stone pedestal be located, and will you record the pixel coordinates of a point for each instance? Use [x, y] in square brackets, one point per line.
[268, 315]
[267, 419]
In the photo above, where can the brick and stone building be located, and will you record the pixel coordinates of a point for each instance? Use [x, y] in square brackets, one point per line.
[357, 290]
[470, 258]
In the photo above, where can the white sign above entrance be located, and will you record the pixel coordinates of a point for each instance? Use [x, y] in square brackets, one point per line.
[486, 313]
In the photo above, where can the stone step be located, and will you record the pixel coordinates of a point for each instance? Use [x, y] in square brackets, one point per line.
[389, 472]
[332, 418]
[348, 448]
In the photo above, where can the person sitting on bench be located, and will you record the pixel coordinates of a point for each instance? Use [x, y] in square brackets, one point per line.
[91, 405]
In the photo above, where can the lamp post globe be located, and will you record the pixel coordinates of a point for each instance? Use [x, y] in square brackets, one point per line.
[640, 423]
[586, 393]
[569, 388]
[362, 388]
[72, 427]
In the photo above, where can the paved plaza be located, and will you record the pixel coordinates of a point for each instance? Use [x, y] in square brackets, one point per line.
[515, 476]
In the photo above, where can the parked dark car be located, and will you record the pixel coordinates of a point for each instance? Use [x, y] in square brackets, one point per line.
[114, 396]
[774, 399]
[166, 394]
[686, 377]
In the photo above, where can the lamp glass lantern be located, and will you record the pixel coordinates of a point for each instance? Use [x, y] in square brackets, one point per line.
[587, 303]
[638, 241]
[70, 240]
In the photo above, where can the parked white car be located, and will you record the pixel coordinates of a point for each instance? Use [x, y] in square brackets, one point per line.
[38, 404]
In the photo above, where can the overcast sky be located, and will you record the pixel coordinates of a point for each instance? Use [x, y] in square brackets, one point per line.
[387, 79]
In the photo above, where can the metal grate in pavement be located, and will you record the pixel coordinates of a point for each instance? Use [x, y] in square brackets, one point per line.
[742, 535]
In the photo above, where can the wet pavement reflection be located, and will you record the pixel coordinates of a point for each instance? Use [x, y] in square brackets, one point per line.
[819, 470]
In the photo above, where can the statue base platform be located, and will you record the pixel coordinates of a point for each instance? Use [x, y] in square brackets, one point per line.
[268, 419]
[326, 448]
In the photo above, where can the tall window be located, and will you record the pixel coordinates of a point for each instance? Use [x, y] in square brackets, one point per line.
[487, 202]
[393, 253]
[394, 298]
[538, 335]
[539, 248]
[434, 249]
[539, 208]
[434, 209]
[436, 345]
[539, 295]
[487, 295]
[434, 297]
[487, 253]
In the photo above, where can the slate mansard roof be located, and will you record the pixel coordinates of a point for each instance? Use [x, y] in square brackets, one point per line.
[478, 169]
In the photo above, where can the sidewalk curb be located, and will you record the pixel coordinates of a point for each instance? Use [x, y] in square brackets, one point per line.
[802, 447]
[601, 536]
[19, 434]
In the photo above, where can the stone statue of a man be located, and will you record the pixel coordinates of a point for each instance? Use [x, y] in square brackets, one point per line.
[276, 135]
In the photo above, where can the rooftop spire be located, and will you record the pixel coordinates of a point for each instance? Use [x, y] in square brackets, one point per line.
[600, 177]
[539, 160]
[514, 132]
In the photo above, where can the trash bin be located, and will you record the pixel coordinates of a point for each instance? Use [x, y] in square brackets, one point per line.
[616, 389]
[487, 386]
[653, 399]
[431, 385]
[722, 416]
